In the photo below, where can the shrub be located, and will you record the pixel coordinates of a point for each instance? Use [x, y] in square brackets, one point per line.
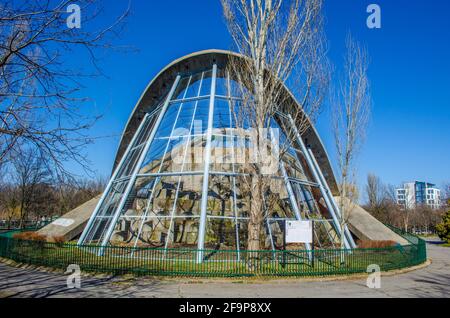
[59, 240]
[443, 229]
[30, 236]
[376, 244]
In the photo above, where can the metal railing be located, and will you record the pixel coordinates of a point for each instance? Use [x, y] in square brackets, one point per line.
[216, 263]
[28, 225]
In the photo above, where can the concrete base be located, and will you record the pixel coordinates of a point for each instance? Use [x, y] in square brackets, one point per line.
[71, 224]
[365, 227]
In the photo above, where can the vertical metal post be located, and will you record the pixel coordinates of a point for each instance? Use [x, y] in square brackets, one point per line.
[288, 185]
[330, 196]
[207, 161]
[113, 177]
[316, 177]
[138, 165]
[233, 178]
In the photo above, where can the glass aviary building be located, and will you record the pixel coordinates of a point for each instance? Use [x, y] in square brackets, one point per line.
[161, 195]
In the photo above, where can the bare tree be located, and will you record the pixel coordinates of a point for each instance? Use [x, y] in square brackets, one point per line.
[40, 99]
[351, 110]
[9, 204]
[375, 191]
[73, 194]
[29, 173]
[283, 42]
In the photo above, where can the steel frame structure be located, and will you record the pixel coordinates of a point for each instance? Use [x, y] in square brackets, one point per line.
[200, 96]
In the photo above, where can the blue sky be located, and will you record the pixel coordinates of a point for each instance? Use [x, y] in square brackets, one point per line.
[408, 137]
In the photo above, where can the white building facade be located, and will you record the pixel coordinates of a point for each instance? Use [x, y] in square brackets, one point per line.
[419, 193]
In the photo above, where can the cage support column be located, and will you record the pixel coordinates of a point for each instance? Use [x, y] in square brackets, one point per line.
[111, 181]
[207, 162]
[330, 196]
[138, 166]
[288, 185]
[317, 179]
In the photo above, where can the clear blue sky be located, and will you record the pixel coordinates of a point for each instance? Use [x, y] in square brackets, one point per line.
[409, 133]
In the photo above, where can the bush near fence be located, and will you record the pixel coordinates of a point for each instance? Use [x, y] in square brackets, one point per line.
[216, 263]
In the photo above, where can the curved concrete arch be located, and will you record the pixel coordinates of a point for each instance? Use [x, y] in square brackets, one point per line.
[160, 85]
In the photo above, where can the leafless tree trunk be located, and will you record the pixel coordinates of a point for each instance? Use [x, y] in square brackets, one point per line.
[39, 93]
[283, 42]
[375, 191]
[30, 171]
[351, 110]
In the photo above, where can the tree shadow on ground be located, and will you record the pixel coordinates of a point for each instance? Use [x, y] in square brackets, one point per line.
[26, 283]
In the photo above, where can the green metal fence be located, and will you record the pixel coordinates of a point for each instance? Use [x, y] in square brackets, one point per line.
[216, 263]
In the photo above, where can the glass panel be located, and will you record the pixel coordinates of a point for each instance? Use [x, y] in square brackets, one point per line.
[223, 155]
[164, 196]
[277, 232]
[106, 212]
[242, 197]
[201, 117]
[145, 133]
[175, 155]
[183, 125]
[168, 122]
[278, 203]
[237, 90]
[152, 233]
[243, 236]
[125, 231]
[221, 114]
[181, 88]
[99, 227]
[206, 84]
[189, 196]
[220, 234]
[222, 83]
[293, 169]
[152, 160]
[305, 201]
[238, 117]
[220, 196]
[194, 154]
[194, 86]
[130, 163]
[184, 233]
[138, 199]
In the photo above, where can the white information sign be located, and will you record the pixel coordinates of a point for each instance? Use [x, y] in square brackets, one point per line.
[299, 232]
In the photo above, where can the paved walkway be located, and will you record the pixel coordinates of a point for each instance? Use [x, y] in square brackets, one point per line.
[432, 281]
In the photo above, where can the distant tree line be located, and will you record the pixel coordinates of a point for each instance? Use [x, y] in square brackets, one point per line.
[30, 191]
[382, 204]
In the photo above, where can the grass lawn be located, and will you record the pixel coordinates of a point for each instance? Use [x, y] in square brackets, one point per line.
[153, 262]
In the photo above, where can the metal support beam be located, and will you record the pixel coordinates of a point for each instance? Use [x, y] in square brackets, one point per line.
[138, 166]
[317, 178]
[331, 198]
[207, 161]
[290, 191]
[111, 181]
